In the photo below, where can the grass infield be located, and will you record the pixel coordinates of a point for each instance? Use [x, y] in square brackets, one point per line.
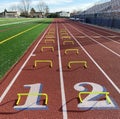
[13, 49]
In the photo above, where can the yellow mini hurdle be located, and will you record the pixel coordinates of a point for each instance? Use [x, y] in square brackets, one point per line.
[50, 40]
[67, 50]
[77, 62]
[49, 36]
[64, 34]
[43, 61]
[66, 37]
[51, 33]
[47, 47]
[62, 30]
[68, 42]
[104, 93]
[32, 94]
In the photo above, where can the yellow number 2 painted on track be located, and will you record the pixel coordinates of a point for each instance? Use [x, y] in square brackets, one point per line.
[94, 99]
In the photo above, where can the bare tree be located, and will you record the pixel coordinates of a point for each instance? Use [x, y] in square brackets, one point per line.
[46, 10]
[43, 8]
[25, 6]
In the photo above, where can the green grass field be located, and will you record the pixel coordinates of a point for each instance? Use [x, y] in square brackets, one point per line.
[14, 20]
[12, 48]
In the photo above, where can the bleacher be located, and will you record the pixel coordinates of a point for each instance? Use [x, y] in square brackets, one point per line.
[103, 14]
[112, 6]
[98, 8]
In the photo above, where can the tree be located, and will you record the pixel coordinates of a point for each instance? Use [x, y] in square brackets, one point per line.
[43, 8]
[25, 7]
[46, 10]
[54, 15]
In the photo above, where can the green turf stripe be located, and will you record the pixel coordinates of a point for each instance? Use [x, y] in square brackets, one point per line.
[19, 34]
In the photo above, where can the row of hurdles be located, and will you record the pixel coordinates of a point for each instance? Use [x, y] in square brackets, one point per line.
[50, 38]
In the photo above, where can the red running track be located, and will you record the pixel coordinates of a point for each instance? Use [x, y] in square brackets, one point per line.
[61, 84]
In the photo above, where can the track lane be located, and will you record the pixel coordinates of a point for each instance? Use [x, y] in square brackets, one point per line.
[50, 78]
[104, 58]
[78, 74]
[27, 75]
[101, 31]
[63, 107]
[114, 48]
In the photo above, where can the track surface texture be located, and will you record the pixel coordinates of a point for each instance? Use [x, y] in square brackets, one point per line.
[71, 71]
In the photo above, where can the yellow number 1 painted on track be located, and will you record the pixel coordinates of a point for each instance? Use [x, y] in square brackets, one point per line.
[33, 98]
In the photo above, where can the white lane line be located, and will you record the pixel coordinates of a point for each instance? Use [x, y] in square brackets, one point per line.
[110, 38]
[20, 70]
[64, 107]
[109, 79]
[96, 42]
[113, 36]
[103, 29]
[105, 36]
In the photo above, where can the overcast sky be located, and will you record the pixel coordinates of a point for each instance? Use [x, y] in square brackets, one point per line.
[54, 5]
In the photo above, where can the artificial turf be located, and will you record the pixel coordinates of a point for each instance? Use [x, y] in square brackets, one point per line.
[12, 50]
[12, 20]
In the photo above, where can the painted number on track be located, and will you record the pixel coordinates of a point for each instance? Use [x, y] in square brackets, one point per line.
[32, 102]
[92, 101]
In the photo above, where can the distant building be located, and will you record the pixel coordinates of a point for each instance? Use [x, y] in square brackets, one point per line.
[2, 14]
[64, 14]
[34, 14]
[9, 14]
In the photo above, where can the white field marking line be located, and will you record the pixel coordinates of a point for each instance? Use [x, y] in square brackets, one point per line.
[20, 70]
[17, 22]
[96, 41]
[109, 79]
[64, 107]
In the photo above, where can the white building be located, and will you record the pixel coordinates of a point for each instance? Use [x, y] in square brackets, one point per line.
[10, 14]
[64, 14]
